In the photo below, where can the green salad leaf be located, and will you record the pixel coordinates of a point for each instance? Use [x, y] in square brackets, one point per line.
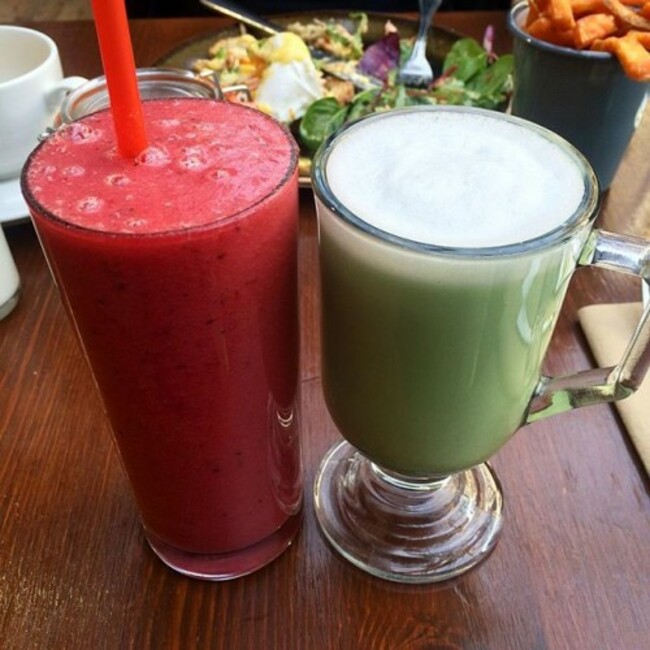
[322, 118]
[494, 82]
[465, 60]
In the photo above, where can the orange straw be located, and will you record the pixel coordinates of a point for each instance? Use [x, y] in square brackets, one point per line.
[119, 67]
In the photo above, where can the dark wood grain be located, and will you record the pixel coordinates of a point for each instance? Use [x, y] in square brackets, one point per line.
[572, 570]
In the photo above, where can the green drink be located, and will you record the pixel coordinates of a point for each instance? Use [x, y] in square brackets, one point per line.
[429, 363]
[447, 239]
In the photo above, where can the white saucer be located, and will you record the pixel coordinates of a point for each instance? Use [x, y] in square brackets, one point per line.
[12, 205]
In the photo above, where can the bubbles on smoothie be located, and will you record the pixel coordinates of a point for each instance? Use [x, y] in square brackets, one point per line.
[153, 157]
[136, 223]
[194, 158]
[42, 171]
[256, 181]
[112, 153]
[223, 173]
[275, 155]
[170, 123]
[117, 180]
[206, 127]
[48, 172]
[259, 136]
[81, 133]
[90, 204]
[73, 171]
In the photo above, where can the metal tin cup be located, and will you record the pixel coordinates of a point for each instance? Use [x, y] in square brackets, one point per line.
[153, 83]
[582, 95]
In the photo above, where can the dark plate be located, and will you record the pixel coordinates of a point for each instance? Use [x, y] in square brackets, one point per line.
[438, 45]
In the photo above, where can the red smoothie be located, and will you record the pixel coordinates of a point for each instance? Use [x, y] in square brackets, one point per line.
[179, 272]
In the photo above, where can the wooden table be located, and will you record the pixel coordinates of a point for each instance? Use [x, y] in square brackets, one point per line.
[571, 571]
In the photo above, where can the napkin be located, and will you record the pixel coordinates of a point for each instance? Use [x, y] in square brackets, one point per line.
[608, 329]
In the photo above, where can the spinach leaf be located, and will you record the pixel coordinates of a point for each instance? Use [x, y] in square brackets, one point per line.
[322, 118]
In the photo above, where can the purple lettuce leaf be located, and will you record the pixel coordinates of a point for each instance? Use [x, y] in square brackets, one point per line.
[381, 57]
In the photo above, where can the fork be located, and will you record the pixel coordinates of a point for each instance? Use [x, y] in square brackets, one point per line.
[417, 70]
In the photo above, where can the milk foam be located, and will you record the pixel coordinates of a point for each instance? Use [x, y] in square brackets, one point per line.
[464, 179]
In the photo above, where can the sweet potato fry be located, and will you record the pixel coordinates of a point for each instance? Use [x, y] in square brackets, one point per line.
[642, 37]
[621, 27]
[591, 27]
[604, 44]
[544, 30]
[540, 5]
[583, 7]
[634, 58]
[560, 13]
[533, 14]
[627, 16]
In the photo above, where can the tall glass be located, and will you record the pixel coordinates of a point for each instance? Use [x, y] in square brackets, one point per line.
[179, 273]
[438, 303]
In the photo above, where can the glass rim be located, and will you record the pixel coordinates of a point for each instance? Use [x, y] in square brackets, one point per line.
[516, 30]
[585, 212]
[35, 205]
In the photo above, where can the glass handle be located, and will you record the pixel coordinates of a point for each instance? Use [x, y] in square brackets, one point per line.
[557, 394]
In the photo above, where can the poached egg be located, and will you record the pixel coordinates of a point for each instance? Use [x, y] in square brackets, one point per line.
[290, 82]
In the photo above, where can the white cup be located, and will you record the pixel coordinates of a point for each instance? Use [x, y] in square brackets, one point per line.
[9, 280]
[31, 90]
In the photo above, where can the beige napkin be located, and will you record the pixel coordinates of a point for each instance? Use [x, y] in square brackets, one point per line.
[608, 329]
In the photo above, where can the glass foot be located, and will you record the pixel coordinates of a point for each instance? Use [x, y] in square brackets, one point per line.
[227, 566]
[403, 529]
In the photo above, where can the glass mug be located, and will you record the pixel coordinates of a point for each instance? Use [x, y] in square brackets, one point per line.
[432, 347]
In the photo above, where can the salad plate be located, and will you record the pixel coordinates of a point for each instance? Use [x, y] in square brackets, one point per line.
[466, 72]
